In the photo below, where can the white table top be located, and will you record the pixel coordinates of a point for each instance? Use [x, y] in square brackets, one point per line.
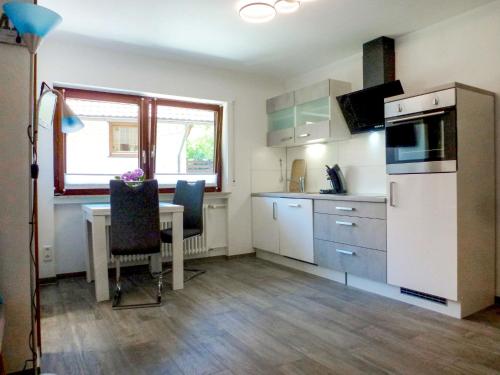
[104, 209]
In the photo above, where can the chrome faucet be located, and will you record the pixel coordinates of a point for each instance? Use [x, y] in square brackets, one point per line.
[301, 181]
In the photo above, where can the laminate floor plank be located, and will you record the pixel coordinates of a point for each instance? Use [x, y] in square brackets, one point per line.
[249, 316]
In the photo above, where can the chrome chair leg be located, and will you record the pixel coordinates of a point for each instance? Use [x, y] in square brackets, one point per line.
[118, 292]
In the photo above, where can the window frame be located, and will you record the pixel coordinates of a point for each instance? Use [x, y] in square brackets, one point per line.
[147, 136]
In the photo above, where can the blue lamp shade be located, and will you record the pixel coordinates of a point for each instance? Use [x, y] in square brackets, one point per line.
[70, 121]
[31, 19]
[33, 22]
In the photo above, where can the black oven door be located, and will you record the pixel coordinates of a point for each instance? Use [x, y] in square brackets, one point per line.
[422, 143]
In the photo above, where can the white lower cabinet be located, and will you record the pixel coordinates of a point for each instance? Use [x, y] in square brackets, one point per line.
[284, 226]
[265, 224]
[295, 219]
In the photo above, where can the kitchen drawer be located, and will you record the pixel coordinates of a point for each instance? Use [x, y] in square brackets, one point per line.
[280, 138]
[349, 208]
[351, 230]
[312, 132]
[367, 263]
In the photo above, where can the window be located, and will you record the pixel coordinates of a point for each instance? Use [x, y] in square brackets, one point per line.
[123, 139]
[185, 144]
[169, 140]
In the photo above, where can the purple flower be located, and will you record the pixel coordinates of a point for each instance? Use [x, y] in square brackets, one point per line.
[133, 176]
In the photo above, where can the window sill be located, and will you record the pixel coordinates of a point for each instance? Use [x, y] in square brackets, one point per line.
[84, 199]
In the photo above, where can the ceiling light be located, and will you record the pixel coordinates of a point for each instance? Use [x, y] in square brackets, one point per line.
[287, 6]
[257, 12]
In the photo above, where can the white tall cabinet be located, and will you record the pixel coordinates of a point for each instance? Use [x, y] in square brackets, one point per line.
[422, 233]
[441, 226]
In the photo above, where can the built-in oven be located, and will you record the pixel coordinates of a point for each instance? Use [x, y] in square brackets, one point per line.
[421, 134]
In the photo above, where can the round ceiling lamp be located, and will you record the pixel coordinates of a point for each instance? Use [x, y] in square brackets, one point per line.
[257, 12]
[287, 6]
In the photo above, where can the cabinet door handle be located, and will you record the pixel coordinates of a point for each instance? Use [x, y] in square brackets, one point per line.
[275, 216]
[295, 205]
[286, 139]
[305, 135]
[344, 208]
[345, 252]
[347, 223]
[391, 194]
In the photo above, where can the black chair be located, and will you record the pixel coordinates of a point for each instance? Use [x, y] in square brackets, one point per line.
[135, 228]
[190, 195]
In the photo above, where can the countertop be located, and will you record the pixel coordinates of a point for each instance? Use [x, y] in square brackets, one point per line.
[332, 197]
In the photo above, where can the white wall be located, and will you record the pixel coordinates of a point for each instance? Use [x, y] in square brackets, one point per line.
[465, 49]
[68, 60]
[14, 217]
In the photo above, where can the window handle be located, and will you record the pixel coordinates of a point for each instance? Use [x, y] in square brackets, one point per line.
[153, 149]
[143, 156]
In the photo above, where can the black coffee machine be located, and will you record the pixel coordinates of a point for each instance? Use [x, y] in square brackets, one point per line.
[337, 181]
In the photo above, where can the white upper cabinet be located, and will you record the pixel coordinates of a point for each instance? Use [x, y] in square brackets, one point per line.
[312, 112]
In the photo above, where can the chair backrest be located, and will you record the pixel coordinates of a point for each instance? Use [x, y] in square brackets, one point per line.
[135, 218]
[190, 195]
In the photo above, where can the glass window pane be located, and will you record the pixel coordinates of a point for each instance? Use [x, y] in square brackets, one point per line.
[106, 147]
[185, 145]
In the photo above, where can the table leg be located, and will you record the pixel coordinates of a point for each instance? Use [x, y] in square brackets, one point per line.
[177, 251]
[155, 264]
[89, 264]
[100, 258]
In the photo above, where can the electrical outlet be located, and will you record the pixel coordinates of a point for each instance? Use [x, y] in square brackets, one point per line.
[48, 255]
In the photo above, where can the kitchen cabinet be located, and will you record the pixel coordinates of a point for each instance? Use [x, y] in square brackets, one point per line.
[281, 120]
[265, 226]
[422, 233]
[295, 218]
[350, 237]
[283, 226]
[308, 115]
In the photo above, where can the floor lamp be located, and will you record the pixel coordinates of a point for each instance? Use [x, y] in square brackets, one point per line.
[33, 23]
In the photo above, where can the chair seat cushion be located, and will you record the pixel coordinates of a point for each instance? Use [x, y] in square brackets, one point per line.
[166, 234]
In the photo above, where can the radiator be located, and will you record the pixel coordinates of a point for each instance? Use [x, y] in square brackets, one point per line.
[192, 246]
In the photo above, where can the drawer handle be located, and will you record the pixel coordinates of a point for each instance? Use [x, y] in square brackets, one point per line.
[345, 252]
[344, 208]
[305, 135]
[347, 223]
[286, 139]
[295, 205]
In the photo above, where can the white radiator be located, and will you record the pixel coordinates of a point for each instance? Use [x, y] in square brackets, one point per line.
[192, 246]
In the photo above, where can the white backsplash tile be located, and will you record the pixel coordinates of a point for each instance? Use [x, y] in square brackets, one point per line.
[267, 181]
[363, 149]
[361, 158]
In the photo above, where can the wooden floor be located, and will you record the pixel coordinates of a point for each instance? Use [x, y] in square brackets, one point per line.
[248, 316]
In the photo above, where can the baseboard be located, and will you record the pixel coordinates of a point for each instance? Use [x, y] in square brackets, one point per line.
[69, 275]
[238, 256]
[25, 372]
[144, 267]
